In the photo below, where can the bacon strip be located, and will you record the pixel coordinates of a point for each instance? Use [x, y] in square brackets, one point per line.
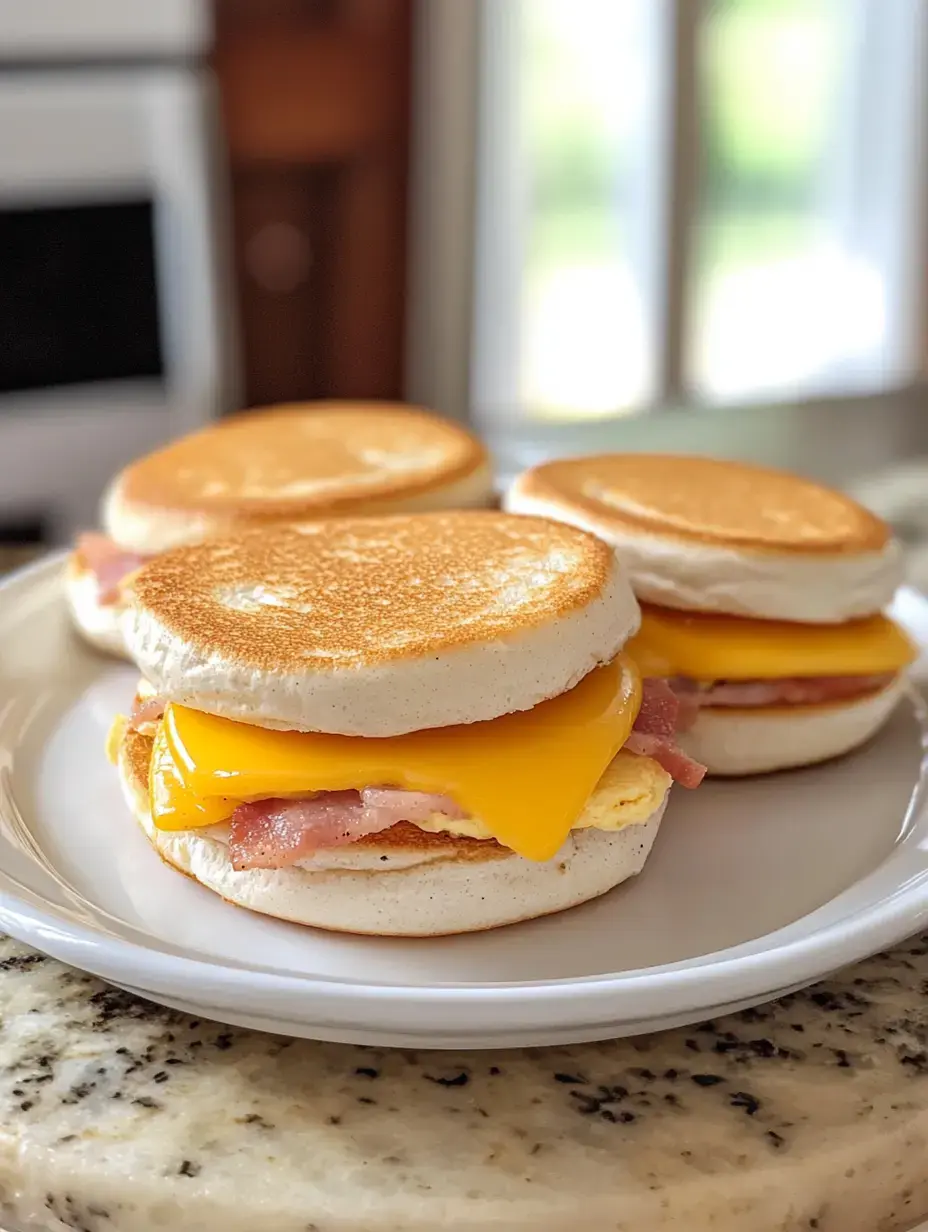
[785, 691]
[410, 805]
[660, 708]
[681, 768]
[655, 730]
[278, 833]
[145, 712]
[108, 562]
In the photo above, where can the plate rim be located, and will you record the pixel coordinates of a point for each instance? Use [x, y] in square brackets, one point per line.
[688, 985]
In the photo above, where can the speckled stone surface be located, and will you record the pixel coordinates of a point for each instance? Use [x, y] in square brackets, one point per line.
[120, 1116]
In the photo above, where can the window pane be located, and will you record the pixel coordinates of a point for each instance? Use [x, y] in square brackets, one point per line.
[811, 130]
[565, 135]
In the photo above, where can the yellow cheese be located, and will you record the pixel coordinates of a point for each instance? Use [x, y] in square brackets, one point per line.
[631, 790]
[707, 647]
[115, 737]
[173, 805]
[527, 775]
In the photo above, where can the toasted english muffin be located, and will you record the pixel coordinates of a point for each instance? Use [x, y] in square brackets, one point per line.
[292, 463]
[310, 460]
[708, 535]
[380, 626]
[455, 707]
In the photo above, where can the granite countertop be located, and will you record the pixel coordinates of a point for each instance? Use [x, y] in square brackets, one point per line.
[120, 1116]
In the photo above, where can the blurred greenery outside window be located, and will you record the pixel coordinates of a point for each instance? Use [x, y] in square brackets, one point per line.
[791, 285]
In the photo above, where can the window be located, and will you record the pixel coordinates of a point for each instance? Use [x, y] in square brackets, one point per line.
[568, 96]
[698, 201]
[813, 149]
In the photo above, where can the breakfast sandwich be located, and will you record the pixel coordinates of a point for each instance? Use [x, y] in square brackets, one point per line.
[280, 465]
[762, 594]
[410, 725]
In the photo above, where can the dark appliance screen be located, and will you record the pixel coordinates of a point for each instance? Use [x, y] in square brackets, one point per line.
[78, 295]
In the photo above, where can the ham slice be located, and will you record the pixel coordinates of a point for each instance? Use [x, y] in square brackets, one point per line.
[279, 833]
[681, 768]
[410, 805]
[660, 708]
[655, 731]
[146, 711]
[108, 562]
[785, 691]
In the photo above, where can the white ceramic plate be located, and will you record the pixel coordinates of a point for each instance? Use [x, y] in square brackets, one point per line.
[753, 887]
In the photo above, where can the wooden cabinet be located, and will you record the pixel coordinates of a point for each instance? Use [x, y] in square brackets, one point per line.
[315, 99]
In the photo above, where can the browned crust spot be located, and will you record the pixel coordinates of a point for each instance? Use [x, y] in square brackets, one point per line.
[135, 761]
[708, 500]
[304, 460]
[361, 592]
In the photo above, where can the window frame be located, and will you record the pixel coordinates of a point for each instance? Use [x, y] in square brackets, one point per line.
[460, 254]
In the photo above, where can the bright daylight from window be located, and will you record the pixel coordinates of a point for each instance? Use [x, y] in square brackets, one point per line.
[584, 97]
[794, 283]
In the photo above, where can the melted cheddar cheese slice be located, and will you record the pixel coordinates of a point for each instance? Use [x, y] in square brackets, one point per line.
[707, 647]
[527, 775]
